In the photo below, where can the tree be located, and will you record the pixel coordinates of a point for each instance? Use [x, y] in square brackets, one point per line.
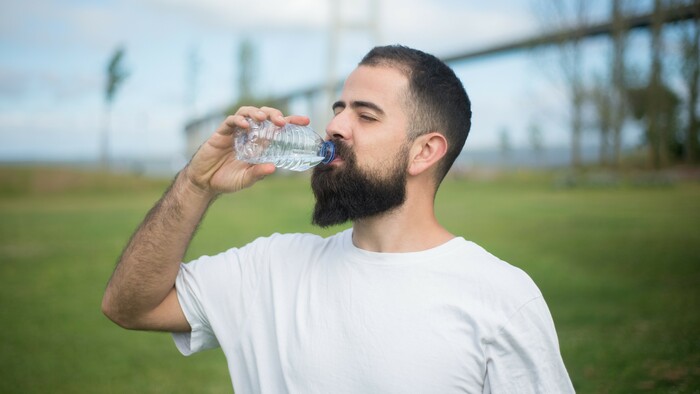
[690, 43]
[570, 15]
[601, 98]
[657, 136]
[536, 140]
[116, 74]
[246, 77]
[504, 145]
[617, 110]
[665, 117]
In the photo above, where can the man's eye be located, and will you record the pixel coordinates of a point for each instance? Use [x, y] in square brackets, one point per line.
[337, 110]
[367, 117]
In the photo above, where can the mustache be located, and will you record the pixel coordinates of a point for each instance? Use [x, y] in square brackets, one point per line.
[342, 149]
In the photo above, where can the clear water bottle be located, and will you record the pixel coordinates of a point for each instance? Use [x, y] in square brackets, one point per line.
[292, 147]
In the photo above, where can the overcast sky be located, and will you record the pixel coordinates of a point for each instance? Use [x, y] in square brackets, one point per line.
[53, 56]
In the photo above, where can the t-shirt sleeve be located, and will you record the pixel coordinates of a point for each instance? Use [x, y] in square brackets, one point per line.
[189, 295]
[524, 356]
[215, 293]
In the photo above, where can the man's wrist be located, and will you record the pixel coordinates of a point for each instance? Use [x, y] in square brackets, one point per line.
[191, 190]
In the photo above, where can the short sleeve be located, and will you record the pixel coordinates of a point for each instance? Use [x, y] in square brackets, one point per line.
[189, 295]
[524, 356]
[215, 293]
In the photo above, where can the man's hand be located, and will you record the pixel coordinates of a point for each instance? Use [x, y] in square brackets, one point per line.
[214, 168]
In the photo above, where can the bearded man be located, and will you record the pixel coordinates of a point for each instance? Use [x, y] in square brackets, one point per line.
[394, 304]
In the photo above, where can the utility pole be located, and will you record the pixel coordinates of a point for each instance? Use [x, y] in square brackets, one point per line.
[619, 32]
[337, 28]
[194, 64]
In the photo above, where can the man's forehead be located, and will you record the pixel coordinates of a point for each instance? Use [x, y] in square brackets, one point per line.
[380, 85]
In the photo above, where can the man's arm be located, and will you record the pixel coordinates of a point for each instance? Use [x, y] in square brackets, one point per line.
[141, 292]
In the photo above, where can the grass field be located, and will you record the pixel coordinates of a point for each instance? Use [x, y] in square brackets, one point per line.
[619, 266]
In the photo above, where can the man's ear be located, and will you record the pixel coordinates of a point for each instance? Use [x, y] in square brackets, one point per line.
[425, 151]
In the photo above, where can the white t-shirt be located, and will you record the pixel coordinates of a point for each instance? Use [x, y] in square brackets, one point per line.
[298, 313]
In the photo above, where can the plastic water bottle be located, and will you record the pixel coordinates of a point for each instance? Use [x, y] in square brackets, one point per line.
[292, 147]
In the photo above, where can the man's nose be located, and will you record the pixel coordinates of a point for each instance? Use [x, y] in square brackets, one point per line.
[338, 127]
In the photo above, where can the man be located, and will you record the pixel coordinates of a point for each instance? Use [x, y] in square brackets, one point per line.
[395, 304]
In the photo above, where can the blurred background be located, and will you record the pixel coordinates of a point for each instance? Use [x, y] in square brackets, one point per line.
[137, 85]
[581, 167]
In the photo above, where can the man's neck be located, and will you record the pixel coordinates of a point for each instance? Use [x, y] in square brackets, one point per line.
[405, 229]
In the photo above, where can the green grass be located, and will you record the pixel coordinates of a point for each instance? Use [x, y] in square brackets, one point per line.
[619, 266]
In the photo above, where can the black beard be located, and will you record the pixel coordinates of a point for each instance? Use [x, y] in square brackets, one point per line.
[346, 193]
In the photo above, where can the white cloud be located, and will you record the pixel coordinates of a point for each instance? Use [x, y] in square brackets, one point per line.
[244, 16]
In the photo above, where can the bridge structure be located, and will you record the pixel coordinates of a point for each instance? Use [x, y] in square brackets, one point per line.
[197, 130]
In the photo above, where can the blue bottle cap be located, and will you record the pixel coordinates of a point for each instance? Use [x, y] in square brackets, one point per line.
[328, 152]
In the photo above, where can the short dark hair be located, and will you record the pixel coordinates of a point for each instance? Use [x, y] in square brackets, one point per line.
[436, 98]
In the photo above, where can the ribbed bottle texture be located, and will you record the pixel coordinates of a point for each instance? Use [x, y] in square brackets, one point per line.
[292, 147]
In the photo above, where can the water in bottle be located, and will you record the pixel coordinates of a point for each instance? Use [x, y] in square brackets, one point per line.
[292, 147]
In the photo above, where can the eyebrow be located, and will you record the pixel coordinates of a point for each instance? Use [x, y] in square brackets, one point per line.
[359, 104]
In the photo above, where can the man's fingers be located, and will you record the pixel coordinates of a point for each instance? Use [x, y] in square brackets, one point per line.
[298, 119]
[259, 114]
[230, 124]
[274, 115]
[260, 171]
[277, 117]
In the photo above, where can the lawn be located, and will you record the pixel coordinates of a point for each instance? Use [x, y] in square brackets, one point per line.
[619, 265]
